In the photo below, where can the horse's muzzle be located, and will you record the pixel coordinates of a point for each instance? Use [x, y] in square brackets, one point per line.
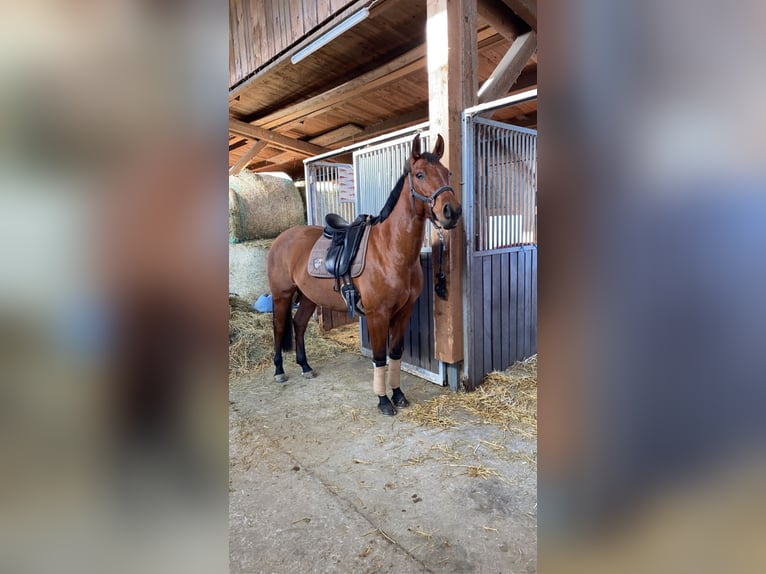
[451, 216]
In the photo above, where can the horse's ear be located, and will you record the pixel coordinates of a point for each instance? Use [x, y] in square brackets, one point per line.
[439, 146]
[416, 147]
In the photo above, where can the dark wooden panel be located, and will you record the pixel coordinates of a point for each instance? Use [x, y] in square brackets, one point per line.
[533, 349]
[477, 328]
[412, 344]
[425, 315]
[505, 308]
[486, 303]
[528, 325]
[329, 319]
[503, 301]
[497, 317]
[513, 282]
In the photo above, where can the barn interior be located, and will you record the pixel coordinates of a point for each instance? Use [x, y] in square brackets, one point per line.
[370, 80]
[319, 481]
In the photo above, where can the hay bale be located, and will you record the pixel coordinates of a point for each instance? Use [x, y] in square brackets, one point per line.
[262, 206]
[248, 269]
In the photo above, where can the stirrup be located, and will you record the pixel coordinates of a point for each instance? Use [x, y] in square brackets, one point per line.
[349, 295]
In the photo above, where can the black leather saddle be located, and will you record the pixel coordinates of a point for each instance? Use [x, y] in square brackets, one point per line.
[345, 239]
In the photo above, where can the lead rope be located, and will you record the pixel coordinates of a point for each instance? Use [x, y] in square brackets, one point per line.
[441, 280]
[440, 287]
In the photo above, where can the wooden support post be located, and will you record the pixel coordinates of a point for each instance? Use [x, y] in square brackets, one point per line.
[452, 47]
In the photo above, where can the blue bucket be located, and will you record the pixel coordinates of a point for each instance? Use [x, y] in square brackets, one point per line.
[264, 304]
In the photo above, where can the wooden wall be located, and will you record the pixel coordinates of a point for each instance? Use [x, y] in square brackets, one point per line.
[503, 293]
[259, 30]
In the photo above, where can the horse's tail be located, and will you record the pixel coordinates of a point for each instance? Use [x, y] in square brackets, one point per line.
[287, 334]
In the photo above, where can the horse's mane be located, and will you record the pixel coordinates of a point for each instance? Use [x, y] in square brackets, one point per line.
[393, 197]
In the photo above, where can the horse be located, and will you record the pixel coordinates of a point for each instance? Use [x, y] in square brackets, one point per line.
[390, 282]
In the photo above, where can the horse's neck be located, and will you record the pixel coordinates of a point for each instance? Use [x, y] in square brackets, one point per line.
[402, 231]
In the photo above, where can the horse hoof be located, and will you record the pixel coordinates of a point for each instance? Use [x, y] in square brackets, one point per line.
[387, 409]
[308, 375]
[280, 378]
[401, 402]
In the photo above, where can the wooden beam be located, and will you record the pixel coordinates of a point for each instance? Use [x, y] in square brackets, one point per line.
[283, 157]
[275, 139]
[247, 157]
[526, 9]
[416, 116]
[237, 143]
[509, 68]
[501, 18]
[452, 86]
[337, 135]
[393, 70]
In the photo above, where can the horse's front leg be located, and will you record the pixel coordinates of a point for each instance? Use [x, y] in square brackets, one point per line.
[399, 324]
[377, 326]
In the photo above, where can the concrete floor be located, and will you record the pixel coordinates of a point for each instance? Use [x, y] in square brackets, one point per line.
[320, 482]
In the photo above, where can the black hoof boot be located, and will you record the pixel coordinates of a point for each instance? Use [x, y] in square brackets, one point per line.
[385, 406]
[399, 399]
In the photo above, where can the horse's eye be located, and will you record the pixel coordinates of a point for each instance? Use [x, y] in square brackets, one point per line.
[420, 175]
[449, 174]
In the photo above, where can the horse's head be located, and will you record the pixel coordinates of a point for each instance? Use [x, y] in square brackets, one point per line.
[429, 182]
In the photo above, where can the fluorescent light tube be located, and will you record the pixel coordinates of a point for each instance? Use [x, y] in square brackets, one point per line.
[330, 35]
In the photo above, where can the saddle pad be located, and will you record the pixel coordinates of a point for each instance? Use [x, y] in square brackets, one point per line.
[316, 266]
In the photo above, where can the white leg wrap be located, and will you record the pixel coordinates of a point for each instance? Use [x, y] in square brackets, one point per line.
[394, 373]
[379, 380]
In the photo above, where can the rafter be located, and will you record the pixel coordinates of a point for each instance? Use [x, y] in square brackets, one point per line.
[247, 157]
[509, 68]
[501, 18]
[275, 139]
[338, 134]
[393, 70]
[526, 9]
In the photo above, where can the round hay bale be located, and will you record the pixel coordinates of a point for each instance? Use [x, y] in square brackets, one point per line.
[262, 206]
[235, 217]
[248, 272]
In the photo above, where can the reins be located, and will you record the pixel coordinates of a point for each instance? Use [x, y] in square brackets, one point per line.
[440, 287]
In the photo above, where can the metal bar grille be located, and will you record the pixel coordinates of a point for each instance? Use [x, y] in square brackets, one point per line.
[505, 171]
[329, 190]
[377, 169]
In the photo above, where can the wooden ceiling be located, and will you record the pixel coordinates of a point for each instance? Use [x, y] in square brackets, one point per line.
[369, 81]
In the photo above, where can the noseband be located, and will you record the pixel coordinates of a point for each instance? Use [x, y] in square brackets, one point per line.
[429, 201]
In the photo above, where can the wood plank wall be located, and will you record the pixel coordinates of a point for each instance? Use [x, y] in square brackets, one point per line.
[503, 290]
[259, 30]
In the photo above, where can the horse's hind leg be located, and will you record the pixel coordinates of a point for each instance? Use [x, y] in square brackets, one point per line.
[300, 321]
[283, 334]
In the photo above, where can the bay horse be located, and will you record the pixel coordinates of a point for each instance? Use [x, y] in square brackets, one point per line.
[388, 286]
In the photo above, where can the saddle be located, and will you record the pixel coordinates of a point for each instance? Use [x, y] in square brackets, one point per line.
[339, 245]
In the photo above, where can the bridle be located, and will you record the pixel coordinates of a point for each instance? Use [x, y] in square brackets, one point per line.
[429, 201]
[440, 286]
